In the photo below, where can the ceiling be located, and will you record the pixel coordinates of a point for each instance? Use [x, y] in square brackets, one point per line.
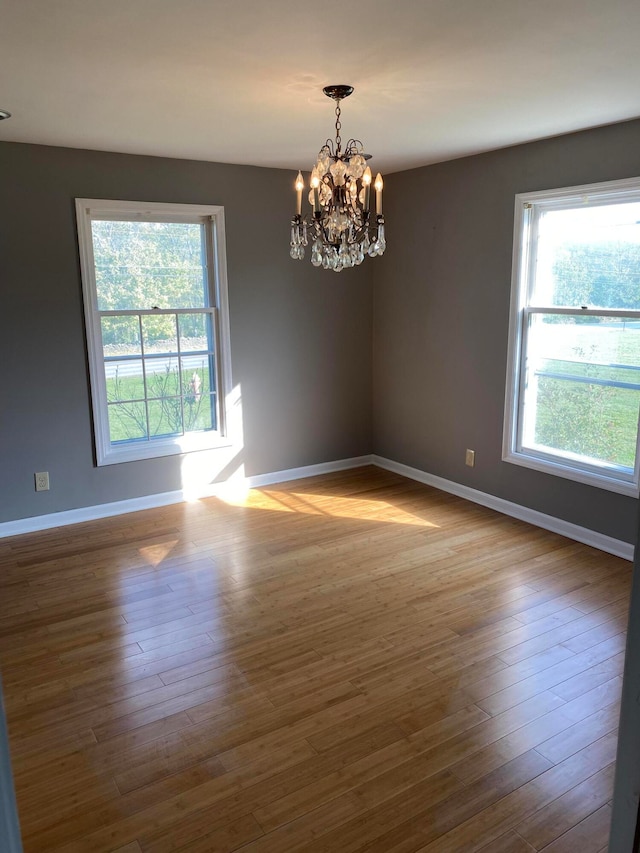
[239, 81]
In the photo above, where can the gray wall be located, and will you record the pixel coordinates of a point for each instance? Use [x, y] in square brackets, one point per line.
[10, 841]
[300, 337]
[441, 314]
[624, 822]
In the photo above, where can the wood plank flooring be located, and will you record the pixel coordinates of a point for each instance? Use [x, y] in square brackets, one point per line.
[352, 662]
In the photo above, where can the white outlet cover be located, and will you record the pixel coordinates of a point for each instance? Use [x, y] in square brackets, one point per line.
[42, 481]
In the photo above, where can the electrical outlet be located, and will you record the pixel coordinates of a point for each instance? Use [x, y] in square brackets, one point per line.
[470, 458]
[42, 481]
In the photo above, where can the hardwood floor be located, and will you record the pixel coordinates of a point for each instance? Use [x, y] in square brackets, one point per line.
[353, 662]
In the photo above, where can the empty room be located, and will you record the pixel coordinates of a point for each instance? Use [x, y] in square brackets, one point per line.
[319, 469]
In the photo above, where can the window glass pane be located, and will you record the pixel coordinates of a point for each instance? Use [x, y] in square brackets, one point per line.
[127, 422]
[124, 380]
[163, 379]
[201, 414]
[589, 256]
[159, 333]
[195, 332]
[582, 394]
[165, 417]
[142, 265]
[196, 375]
[120, 335]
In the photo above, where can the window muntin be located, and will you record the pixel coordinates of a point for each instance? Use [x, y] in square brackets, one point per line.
[573, 383]
[583, 376]
[166, 383]
[157, 326]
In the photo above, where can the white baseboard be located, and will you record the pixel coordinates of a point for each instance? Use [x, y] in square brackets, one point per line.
[106, 510]
[259, 480]
[538, 519]
[523, 513]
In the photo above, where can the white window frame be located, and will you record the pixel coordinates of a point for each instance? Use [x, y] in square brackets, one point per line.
[527, 208]
[212, 217]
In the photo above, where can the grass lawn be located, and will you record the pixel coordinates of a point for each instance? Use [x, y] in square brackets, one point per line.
[128, 414]
[590, 419]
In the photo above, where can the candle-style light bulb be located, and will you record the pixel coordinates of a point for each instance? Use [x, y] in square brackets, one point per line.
[378, 185]
[315, 183]
[299, 185]
[366, 181]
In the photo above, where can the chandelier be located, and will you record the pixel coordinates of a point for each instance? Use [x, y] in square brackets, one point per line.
[341, 229]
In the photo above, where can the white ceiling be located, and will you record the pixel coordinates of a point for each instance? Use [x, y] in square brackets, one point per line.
[239, 81]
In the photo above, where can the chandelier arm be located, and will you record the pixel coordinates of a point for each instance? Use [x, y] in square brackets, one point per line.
[322, 232]
[353, 146]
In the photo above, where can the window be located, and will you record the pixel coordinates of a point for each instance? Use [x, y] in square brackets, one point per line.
[155, 297]
[573, 382]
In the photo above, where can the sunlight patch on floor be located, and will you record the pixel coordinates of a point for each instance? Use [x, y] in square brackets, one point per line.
[155, 554]
[337, 507]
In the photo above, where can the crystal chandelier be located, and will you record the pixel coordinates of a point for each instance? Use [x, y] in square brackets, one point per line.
[341, 229]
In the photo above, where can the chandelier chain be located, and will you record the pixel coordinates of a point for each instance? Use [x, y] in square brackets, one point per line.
[338, 128]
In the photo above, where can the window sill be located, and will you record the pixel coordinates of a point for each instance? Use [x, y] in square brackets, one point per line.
[590, 478]
[158, 449]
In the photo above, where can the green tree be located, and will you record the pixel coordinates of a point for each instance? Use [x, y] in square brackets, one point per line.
[144, 265]
[600, 275]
